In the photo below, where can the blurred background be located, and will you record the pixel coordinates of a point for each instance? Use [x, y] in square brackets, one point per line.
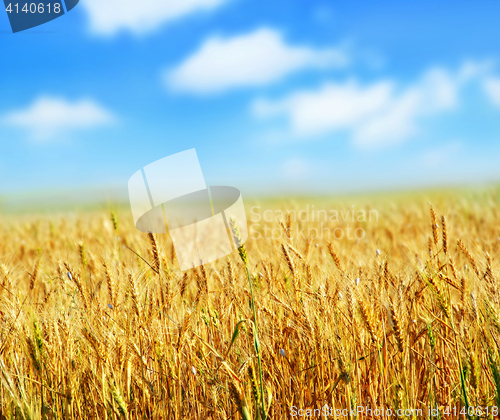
[278, 98]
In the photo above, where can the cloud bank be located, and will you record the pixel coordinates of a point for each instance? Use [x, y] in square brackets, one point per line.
[49, 118]
[254, 59]
[376, 114]
[111, 16]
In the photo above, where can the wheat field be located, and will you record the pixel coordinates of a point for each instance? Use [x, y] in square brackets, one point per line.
[97, 321]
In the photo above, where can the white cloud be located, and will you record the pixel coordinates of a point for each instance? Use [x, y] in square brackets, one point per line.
[436, 92]
[332, 107]
[390, 124]
[253, 59]
[111, 16]
[374, 115]
[492, 88]
[47, 118]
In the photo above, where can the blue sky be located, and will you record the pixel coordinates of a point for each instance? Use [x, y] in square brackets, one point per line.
[276, 97]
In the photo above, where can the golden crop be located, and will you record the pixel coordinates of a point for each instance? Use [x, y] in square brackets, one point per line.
[96, 321]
